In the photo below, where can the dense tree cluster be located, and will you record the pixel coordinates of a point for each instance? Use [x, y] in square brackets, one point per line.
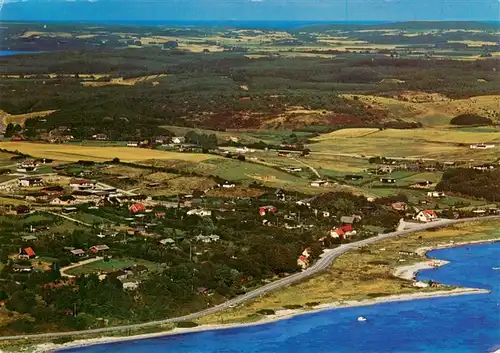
[470, 119]
[471, 182]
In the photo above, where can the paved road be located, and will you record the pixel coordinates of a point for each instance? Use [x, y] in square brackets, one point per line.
[323, 263]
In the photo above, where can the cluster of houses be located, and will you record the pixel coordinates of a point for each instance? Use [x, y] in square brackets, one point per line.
[80, 191]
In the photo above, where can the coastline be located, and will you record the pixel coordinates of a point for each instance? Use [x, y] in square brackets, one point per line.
[280, 315]
[407, 272]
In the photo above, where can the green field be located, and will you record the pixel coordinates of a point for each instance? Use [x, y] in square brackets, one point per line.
[112, 265]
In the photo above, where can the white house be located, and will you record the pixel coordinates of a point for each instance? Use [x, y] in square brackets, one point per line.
[436, 194]
[207, 239]
[199, 212]
[130, 285]
[31, 181]
[426, 216]
[318, 183]
[178, 139]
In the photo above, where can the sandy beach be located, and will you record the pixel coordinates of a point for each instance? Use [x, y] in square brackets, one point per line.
[407, 272]
[280, 315]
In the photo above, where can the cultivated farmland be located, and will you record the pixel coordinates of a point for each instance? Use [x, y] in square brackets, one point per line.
[72, 153]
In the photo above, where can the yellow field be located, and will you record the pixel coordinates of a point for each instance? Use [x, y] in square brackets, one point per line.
[71, 153]
[433, 109]
[472, 43]
[427, 142]
[21, 118]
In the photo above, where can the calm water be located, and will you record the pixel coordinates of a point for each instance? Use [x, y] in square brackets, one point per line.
[469, 323]
[11, 52]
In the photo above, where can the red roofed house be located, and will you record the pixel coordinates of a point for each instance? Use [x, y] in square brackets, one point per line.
[303, 262]
[26, 253]
[137, 207]
[342, 232]
[426, 216]
[265, 209]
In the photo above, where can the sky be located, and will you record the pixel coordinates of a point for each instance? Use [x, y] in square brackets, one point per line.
[249, 10]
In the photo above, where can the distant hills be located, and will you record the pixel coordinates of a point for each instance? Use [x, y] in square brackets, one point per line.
[411, 25]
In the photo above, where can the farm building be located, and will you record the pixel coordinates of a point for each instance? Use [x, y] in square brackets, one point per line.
[31, 181]
[319, 183]
[81, 184]
[387, 180]
[63, 200]
[436, 194]
[481, 146]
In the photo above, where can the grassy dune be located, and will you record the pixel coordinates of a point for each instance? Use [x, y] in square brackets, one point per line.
[362, 274]
[434, 109]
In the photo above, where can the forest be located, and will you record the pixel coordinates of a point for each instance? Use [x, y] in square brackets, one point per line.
[471, 182]
[205, 89]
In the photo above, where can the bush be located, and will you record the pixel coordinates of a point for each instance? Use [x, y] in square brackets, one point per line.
[186, 324]
[62, 340]
[266, 312]
[292, 306]
[470, 119]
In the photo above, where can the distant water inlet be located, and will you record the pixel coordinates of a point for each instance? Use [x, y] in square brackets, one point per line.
[467, 323]
[11, 52]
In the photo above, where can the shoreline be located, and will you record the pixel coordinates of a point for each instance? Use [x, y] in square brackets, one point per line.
[407, 272]
[410, 272]
[280, 315]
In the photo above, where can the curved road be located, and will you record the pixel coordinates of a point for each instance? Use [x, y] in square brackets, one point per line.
[323, 263]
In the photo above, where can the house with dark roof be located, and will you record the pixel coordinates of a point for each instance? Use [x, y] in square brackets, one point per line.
[98, 248]
[63, 200]
[81, 184]
[32, 181]
[26, 254]
[78, 252]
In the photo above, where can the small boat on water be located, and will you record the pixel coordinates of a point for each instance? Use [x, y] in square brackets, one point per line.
[361, 319]
[495, 268]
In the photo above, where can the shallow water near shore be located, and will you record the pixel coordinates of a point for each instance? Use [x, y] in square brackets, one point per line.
[468, 323]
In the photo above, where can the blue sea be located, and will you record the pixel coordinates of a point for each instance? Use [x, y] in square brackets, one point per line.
[11, 52]
[467, 323]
